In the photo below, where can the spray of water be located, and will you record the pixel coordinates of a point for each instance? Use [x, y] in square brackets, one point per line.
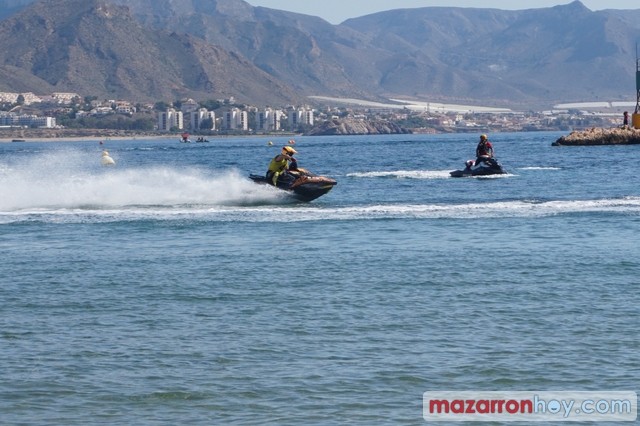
[73, 186]
[76, 180]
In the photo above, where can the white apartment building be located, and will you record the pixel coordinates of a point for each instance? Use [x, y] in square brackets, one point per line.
[300, 116]
[197, 117]
[235, 119]
[9, 119]
[268, 120]
[170, 119]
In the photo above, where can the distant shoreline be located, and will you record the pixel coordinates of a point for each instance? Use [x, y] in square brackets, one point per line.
[74, 135]
[96, 135]
[75, 139]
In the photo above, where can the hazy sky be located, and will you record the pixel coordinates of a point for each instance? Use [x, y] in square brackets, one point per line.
[337, 11]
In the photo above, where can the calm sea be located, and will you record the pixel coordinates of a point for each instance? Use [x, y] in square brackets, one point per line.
[171, 290]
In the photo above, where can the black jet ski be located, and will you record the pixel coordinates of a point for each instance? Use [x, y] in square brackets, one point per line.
[301, 183]
[490, 166]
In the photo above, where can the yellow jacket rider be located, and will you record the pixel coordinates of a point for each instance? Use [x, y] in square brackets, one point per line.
[280, 163]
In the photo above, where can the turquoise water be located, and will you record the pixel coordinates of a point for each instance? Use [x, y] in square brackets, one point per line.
[170, 289]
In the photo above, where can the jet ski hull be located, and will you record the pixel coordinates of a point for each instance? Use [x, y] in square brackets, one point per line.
[306, 187]
[483, 169]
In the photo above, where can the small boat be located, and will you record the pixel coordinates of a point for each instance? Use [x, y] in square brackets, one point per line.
[17, 140]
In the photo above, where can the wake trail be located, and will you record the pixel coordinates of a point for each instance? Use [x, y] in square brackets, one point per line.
[78, 181]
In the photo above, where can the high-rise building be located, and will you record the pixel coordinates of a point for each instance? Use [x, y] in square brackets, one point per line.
[268, 120]
[196, 118]
[300, 117]
[236, 119]
[170, 119]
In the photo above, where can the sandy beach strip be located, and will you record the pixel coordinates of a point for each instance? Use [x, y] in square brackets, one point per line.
[38, 137]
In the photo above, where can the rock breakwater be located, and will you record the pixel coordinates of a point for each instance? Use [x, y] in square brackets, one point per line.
[600, 136]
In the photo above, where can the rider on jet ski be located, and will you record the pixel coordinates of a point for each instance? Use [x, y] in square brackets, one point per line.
[484, 151]
[281, 164]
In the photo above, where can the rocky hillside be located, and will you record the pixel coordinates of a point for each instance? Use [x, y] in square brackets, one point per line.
[165, 49]
[94, 47]
[10, 7]
[356, 127]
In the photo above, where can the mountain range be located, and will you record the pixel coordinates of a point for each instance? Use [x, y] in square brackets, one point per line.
[150, 50]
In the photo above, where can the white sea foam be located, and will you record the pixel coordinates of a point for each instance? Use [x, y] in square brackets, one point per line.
[418, 174]
[315, 212]
[404, 174]
[540, 168]
[477, 210]
[73, 180]
[72, 187]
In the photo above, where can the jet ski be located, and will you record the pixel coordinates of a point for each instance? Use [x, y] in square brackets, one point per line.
[490, 166]
[301, 183]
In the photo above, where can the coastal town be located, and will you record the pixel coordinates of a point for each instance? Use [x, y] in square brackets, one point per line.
[24, 115]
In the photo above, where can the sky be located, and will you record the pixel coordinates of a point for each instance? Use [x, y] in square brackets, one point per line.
[337, 11]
